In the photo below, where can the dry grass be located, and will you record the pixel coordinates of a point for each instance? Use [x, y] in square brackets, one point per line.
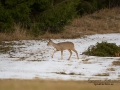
[102, 74]
[102, 22]
[19, 34]
[53, 85]
[71, 73]
[117, 63]
[86, 61]
[111, 69]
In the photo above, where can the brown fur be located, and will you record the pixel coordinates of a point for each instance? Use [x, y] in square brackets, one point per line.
[63, 46]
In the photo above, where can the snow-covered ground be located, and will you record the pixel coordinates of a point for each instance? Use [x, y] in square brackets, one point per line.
[31, 59]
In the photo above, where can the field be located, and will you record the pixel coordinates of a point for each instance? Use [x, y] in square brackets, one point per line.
[30, 59]
[53, 85]
[26, 63]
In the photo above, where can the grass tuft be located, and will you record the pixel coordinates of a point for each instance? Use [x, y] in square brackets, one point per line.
[117, 63]
[111, 69]
[102, 74]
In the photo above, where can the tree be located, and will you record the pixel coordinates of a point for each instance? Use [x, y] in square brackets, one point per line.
[56, 17]
[6, 20]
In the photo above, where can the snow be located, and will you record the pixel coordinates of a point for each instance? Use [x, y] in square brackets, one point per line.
[31, 59]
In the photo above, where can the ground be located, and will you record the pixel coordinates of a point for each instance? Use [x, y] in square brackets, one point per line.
[31, 59]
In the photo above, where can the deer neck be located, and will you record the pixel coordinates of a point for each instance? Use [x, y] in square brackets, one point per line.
[54, 45]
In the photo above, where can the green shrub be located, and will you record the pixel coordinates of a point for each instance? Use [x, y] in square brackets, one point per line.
[103, 49]
[55, 18]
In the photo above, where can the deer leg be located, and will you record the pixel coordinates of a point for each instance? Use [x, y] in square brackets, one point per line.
[76, 53]
[70, 54]
[61, 54]
[54, 53]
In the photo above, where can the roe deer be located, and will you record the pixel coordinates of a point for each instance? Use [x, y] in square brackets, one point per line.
[63, 46]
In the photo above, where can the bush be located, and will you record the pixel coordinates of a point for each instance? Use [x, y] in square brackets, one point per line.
[103, 49]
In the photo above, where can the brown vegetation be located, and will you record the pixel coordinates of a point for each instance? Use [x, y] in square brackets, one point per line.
[116, 63]
[111, 69]
[102, 74]
[103, 21]
[17, 35]
[53, 85]
[117, 54]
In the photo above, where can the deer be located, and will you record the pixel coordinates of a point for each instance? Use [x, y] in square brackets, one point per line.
[63, 46]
